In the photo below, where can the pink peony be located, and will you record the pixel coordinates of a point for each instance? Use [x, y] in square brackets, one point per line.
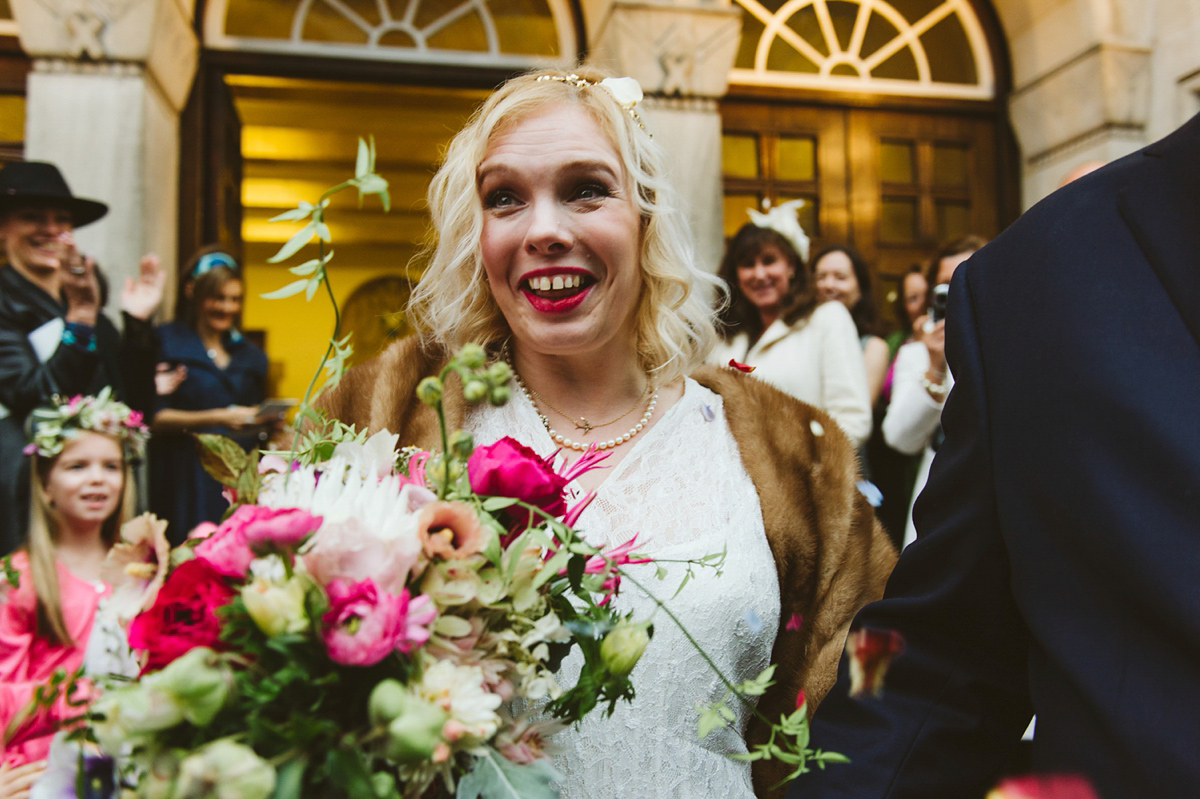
[284, 528]
[227, 549]
[508, 468]
[364, 625]
[1054, 786]
[350, 550]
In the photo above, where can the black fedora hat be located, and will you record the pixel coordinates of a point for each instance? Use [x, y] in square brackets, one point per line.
[36, 182]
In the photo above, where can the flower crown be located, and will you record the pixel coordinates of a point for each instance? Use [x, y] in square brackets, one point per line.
[626, 91]
[783, 219]
[53, 425]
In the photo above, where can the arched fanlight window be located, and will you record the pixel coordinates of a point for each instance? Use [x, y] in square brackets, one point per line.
[506, 33]
[931, 48]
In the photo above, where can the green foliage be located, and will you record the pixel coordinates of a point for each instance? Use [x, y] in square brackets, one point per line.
[495, 777]
[229, 464]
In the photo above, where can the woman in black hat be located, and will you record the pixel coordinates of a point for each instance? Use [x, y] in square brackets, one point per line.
[53, 337]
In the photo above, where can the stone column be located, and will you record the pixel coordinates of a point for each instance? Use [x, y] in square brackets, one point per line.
[109, 81]
[681, 53]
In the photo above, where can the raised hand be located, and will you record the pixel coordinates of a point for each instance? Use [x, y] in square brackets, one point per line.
[141, 297]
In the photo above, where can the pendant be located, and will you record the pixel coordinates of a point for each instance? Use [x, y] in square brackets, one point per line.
[584, 425]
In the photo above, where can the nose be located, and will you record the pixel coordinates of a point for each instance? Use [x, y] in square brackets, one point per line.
[548, 232]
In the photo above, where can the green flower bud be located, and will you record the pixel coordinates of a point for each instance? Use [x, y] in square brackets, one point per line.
[499, 395]
[276, 608]
[429, 391]
[199, 682]
[416, 732]
[384, 785]
[386, 702]
[225, 769]
[462, 444]
[499, 373]
[475, 390]
[623, 647]
[472, 356]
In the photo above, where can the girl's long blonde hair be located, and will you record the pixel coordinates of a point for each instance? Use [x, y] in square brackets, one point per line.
[452, 304]
[44, 524]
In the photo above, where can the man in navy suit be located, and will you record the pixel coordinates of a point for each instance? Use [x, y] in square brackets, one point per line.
[1058, 565]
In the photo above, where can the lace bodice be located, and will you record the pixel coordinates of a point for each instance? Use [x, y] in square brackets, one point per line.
[683, 490]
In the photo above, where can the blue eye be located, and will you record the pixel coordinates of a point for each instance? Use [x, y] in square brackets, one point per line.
[592, 191]
[500, 198]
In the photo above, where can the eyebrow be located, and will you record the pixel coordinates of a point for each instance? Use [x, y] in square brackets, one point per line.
[580, 165]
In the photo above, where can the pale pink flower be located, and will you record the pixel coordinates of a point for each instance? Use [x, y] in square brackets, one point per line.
[450, 530]
[352, 550]
[136, 565]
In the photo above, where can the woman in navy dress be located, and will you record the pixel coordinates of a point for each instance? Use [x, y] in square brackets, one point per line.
[223, 381]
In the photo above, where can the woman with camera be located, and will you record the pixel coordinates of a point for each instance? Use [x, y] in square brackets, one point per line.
[921, 380]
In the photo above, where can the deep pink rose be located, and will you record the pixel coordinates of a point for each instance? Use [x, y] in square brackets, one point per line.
[285, 528]
[364, 625]
[1053, 786]
[184, 616]
[508, 468]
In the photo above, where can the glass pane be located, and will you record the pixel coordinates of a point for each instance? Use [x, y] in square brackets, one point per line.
[807, 214]
[949, 164]
[898, 220]
[896, 162]
[265, 19]
[752, 31]
[804, 23]
[843, 15]
[324, 24]
[901, 66]
[879, 32]
[797, 158]
[12, 118]
[465, 33]
[735, 211]
[950, 59]
[525, 26]
[953, 219]
[739, 154]
[5, 11]
[913, 10]
[396, 39]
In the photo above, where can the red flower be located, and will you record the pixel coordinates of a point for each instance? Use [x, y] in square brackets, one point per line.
[184, 616]
[508, 468]
[1056, 786]
[741, 367]
[871, 652]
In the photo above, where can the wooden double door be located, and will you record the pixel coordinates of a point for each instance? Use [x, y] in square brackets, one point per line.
[893, 184]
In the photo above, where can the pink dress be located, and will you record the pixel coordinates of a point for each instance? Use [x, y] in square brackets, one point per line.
[28, 660]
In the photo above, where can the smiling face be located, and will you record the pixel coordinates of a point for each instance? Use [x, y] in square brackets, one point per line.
[834, 275]
[84, 483]
[764, 279]
[219, 310]
[915, 289]
[561, 236]
[35, 240]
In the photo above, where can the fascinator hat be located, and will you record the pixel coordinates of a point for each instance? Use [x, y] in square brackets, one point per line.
[24, 183]
[783, 219]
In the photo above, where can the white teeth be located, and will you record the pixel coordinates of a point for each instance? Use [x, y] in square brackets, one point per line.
[557, 283]
[545, 284]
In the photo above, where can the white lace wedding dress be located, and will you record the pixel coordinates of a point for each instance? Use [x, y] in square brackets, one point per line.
[683, 490]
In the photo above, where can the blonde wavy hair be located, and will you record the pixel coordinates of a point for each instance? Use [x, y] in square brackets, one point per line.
[453, 305]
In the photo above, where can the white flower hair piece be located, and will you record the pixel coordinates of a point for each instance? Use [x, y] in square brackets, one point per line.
[626, 91]
[784, 220]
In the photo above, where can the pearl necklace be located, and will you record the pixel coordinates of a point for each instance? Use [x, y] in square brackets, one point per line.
[580, 446]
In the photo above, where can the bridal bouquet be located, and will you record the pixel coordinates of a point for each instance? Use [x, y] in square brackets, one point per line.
[363, 625]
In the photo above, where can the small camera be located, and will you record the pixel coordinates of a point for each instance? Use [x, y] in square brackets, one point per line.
[937, 304]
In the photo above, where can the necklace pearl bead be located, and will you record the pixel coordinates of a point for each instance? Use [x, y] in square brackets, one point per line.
[580, 446]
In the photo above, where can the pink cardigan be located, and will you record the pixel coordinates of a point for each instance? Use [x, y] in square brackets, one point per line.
[27, 660]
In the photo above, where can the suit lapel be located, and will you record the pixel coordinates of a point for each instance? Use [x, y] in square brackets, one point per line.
[1162, 208]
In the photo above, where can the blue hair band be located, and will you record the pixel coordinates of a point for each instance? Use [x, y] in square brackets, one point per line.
[210, 261]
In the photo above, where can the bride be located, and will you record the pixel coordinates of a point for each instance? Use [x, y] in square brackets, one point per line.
[559, 248]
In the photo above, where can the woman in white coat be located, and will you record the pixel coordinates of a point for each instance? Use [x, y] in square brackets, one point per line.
[774, 324]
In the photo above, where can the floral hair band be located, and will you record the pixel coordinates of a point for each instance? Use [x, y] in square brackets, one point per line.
[784, 220]
[53, 425]
[626, 91]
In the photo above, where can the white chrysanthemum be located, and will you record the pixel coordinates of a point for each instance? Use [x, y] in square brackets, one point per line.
[340, 492]
[459, 691]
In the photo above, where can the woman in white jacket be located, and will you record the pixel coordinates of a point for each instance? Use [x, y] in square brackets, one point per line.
[921, 381]
[774, 324]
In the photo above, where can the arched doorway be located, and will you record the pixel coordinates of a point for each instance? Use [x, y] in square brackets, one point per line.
[886, 116]
[284, 90]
